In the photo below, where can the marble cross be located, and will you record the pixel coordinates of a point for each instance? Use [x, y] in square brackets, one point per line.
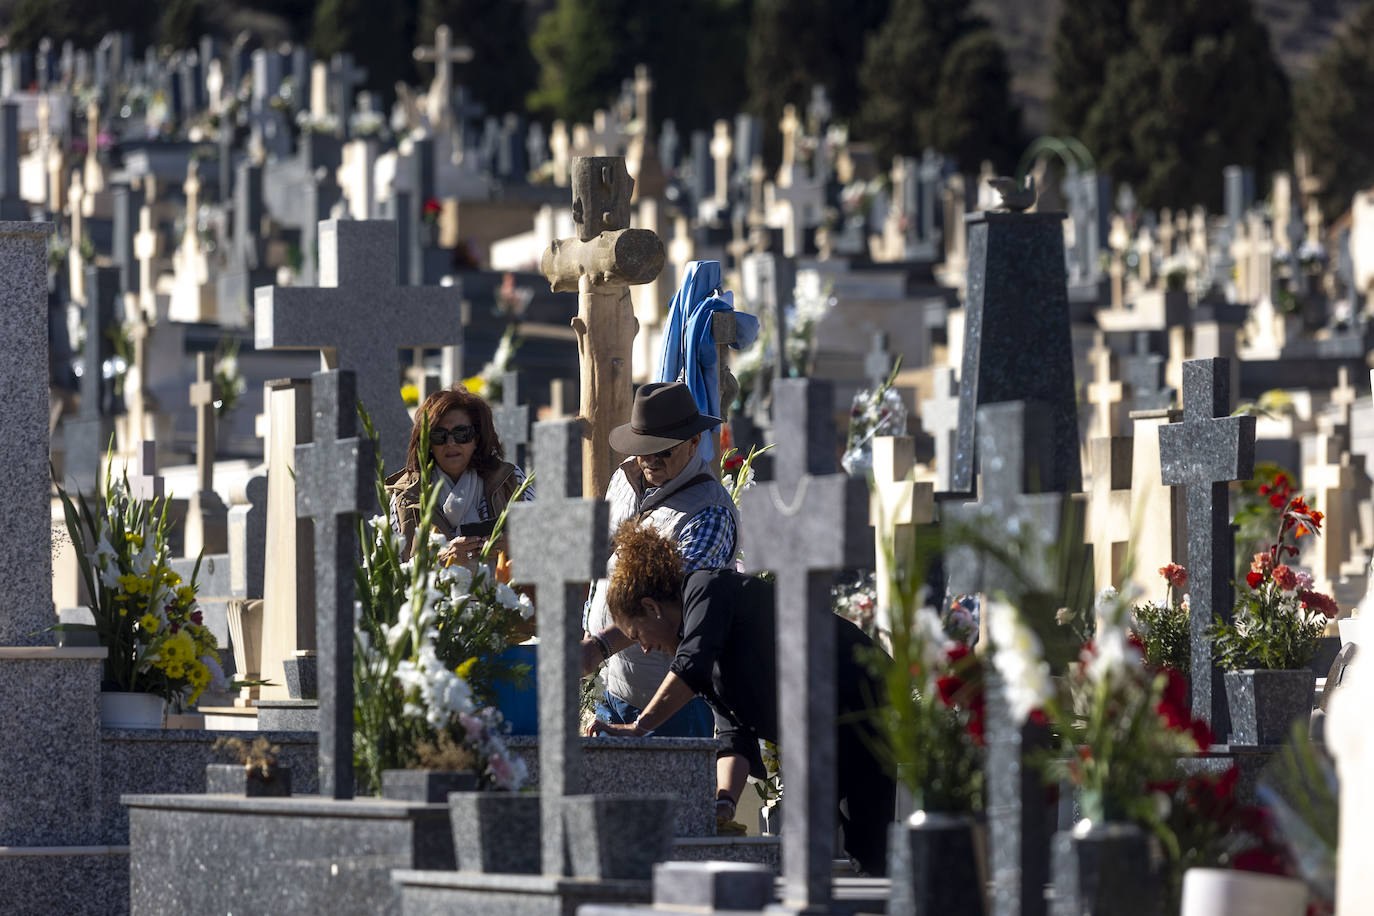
[204, 394]
[1203, 454]
[333, 486]
[1109, 507]
[806, 525]
[444, 54]
[559, 543]
[144, 482]
[358, 317]
[1104, 392]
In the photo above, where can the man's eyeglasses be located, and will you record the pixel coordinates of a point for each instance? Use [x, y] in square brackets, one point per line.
[460, 435]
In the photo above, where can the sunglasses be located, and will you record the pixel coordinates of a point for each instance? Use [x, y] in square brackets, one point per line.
[665, 454]
[461, 435]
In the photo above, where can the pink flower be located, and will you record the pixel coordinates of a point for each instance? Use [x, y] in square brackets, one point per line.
[1286, 578]
[1263, 563]
[1305, 580]
[1175, 575]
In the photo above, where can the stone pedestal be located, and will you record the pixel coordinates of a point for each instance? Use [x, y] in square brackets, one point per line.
[289, 715]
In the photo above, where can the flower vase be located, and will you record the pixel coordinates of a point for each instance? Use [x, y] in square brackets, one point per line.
[1223, 892]
[933, 862]
[1264, 704]
[495, 832]
[125, 709]
[1103, 869]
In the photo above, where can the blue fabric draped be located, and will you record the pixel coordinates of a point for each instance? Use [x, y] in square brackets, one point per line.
[689, 346]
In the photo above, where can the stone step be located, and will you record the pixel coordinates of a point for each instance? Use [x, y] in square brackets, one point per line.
[756, 850]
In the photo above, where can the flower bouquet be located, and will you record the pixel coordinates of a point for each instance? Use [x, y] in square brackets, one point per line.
[1163, 628]
[877, 412]
[145, 615]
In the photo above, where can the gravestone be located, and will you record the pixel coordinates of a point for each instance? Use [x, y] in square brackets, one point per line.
[897, 505]
[87, 436]
[512, 419]
[144, 481]
[779, 532]
[940, 421]
[1109, 508]
[1203, 454]
[602, 263]
[334, 485]
[559, 543]
[359, 319]
[1017, 294]
[207, 518]
[247, 540]
[438, 99]
[1105, 391]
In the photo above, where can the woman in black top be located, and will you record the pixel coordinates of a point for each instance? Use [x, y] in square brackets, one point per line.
[719, 626]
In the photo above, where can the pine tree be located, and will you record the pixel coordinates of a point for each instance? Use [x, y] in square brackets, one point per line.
[936, 76]
[1335, 114]
[1192, 88]
[181, 23]
[1089, 34]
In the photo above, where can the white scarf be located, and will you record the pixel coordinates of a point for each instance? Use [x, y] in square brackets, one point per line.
[458, 500]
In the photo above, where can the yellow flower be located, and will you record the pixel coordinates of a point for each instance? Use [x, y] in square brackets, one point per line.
[178, 649]
[174, 669]
[197, 674]
[149, 623]
[133, 537]
[410, 394]
[171, 578]
[476, 385]
[186, 594]
[465, 669]
[132, 584]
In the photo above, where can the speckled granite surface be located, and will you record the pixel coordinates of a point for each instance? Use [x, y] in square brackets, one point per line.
[286, 855]
[289, 715]
[760, 850]
[91, 882]
[50, 781]
[685, 767]
[435, 893]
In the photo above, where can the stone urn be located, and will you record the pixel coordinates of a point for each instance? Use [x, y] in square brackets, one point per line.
[1264, 704]
[496, 832]
[1103, 869]
[618, 836]
[933, 861]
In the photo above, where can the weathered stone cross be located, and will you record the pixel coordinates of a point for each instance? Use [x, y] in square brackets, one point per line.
[602, 263]
[558, 544]
[358, 318]
[1203, 454]
[781, 525]
[1104, 393]
[512, 419]
[444, 54]
[207, 518]
[333, 486]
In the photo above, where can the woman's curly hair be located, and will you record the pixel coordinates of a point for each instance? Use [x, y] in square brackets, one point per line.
[647, 565]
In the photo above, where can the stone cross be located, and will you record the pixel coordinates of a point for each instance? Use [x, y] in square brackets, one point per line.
[1329, 475]
[877, 362]
[359, 318]
[345, 77]
[940, 420]
[780, 525]
[1104, 392]
[802, 197]
[559, 543]
[76, 199]
[204, 394]
[147, 246]
[602, 263]
[604, 136]
[443, 54]
[1343, 396]
[319, 91]
[721, 147]
[897, 504]
[144, 482]
[26, 561]
[791, 128]
[94, 175]
[512, 419]
[1204, 453]
[333, 486]
[559, 147]
[1158, 512]
[1109, 507]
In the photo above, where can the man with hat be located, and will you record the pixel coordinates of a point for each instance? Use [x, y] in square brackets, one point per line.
[668, 485]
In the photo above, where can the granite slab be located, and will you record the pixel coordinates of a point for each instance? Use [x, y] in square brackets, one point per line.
[71, 880]
[440, 893]
[289, 715]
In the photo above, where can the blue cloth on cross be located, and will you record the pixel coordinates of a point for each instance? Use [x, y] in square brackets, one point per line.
[689, 345]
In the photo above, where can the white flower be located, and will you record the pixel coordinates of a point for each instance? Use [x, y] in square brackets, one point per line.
[507, 596]
[526, 607]
[928, 632]
[1018, 657]
[1113, 649]
[379, 523]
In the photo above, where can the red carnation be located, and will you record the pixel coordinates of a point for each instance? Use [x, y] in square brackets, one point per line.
[1175, 575]
[1253, 579]
[1263, 861]
[1323, 604]
[1286, 577]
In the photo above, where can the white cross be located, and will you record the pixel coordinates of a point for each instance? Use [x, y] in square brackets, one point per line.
[896, 506]
[721, 147]
[1109, 507]
[1103, 392]
[443, 54]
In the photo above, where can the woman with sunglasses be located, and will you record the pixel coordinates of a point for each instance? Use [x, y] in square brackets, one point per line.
[475, 481]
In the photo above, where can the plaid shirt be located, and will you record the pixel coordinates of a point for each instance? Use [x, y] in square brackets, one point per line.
[707, 541]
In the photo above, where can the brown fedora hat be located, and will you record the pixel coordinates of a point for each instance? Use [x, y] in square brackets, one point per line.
[663, 414]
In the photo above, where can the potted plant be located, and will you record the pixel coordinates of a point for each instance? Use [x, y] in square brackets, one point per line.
[1267, 647]
[159, 650]
[256, 774]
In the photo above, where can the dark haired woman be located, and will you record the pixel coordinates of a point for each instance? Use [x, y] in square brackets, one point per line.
[475, 481]
[719, 627]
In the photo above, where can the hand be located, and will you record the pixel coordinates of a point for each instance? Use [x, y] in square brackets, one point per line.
[591, 656]
[614, 730]
[460, 550]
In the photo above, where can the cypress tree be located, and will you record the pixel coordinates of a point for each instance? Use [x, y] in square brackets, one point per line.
[1335, 121]
[502, 70]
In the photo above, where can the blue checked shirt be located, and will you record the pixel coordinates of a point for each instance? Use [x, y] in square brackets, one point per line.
[707, 541]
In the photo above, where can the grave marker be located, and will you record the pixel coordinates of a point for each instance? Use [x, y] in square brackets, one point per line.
[940, 420]
[512, 419]
[359, 318]
[334, 484]
[1109, 508]
[559, 543]
[896, 506]
[1104, 392]
[1203, 454]
[207, 518]
[779, 531]
[144, 481]
[443, 54]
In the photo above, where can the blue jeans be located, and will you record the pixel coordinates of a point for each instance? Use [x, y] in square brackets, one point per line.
[691, 721]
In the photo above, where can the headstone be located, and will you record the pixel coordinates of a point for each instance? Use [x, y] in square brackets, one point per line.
[512, 419]
[443, 54]
[1104, 391]
[1109, 508]
[127, 203]
[940, 421]
[721, 147]
[1203, 454]
[779, 532]
[1158, 524]
[345, 78]
[334, 484]
[897, 505]
[207, 518]
[1016, 295]
[12, 206]
[558, 544]
[359, 319]
[144, 481]
[247, 538]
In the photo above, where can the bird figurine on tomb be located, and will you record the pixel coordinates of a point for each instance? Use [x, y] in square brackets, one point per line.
[1015, 198]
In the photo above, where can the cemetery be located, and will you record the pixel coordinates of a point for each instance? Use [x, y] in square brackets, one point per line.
[337, 393]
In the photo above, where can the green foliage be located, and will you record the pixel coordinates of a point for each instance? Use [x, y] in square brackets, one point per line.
[1191, 87]
[1268, 631]
[502, 70]
[377, 33]
[1300, 790]
[181, 24]
[935, 75]
[1163, 628]
[83, 22]
[586, 48]
[1253, 511]
[1333, 106]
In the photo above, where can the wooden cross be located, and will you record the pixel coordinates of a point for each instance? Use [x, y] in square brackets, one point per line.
[358, 318]
[204, 394]
[559, 543]
[1109, 507]
[1203, 454]
[443, 54]
[333, 486]
[1104, 392]
[896, 506]
[805, 526]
